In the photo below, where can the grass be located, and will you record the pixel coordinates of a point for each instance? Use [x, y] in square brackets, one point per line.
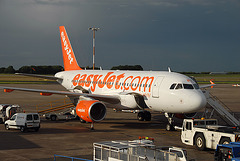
[18, 79]
[217, 78]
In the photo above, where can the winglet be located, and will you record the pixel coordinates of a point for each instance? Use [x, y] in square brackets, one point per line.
[69, 60]
[211, 81]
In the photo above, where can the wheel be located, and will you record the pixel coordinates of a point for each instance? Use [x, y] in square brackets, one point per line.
[22, 129]
[170, 127]
[200, 142]
[224, 141]
[148, 116]
[82, 121]
[141, 116]
[53, 117]
[7, 127]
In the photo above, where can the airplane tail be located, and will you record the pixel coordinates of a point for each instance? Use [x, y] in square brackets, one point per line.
[69, 60]
[211, 81]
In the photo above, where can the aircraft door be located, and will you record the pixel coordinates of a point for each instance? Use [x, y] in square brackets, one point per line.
[156, 87]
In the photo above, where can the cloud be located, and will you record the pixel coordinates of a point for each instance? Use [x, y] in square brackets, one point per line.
[142, 32]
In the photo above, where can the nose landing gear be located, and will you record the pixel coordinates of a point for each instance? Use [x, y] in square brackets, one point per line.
[169, 126]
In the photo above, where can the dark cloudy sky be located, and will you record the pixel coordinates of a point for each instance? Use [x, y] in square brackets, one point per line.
[186, 35]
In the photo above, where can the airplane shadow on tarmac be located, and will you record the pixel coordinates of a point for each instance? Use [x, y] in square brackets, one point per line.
[159, 121]
[13, 140]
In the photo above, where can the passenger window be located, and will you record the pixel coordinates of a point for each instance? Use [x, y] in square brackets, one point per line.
[179, 86]
[189, 126]
[29, 117]
[35, 117]
[13, 117]
[173, 86]
[188, 86]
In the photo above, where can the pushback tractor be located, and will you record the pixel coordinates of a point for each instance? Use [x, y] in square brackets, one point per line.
[206, 133]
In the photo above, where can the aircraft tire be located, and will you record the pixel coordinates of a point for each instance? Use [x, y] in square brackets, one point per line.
[148, 116]
[141, 116]
[170, 127]
[53, 117]
[82, 121]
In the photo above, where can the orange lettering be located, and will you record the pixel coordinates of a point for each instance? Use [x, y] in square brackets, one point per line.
[110, 81]
[81, 81]
[95, 81]
[101, 85]
[88, 83]
[134, 88]
[147, 79]
[75, 79]
[124, 83]
[117, 86]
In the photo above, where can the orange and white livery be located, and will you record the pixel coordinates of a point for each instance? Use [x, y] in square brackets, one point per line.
[94, 90]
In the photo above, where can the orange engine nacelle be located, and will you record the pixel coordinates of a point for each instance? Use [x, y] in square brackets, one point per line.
[91, 111]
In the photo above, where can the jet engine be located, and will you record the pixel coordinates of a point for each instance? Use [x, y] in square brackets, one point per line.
[185, 115]
[91, 110]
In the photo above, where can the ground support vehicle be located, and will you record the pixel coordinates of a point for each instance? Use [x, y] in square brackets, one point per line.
[66, 115]
[143, 150]
[227, 152]
[23, 121]
[206, 133]
[6, 111]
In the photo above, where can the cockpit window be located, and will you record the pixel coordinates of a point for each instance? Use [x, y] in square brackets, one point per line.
[188, 86]
[173, 86]
[196, 86]
[179, 86]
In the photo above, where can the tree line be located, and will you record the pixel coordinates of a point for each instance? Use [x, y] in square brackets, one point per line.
[33, 69]
[57, 68]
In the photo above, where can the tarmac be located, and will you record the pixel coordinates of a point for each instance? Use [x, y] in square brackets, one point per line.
[72, 138]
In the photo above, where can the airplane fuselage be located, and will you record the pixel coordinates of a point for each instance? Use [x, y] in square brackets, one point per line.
[162, 91]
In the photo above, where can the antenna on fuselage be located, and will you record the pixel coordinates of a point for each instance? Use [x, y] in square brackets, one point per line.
[169, 70]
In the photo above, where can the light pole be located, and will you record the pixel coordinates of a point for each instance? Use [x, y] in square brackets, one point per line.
[93, 29]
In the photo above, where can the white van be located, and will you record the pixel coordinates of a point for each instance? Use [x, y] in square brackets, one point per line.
[23, 121]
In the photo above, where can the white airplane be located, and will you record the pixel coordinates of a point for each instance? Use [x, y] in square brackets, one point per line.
[94, 90]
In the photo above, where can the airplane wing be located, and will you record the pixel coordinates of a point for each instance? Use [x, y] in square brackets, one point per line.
[39, 76]
[208, 85]
[105, 98]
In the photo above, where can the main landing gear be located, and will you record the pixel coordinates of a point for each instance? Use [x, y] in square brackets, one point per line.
[169, 126]
[144, 115]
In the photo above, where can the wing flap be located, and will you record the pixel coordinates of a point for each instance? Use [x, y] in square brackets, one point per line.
[105, 98]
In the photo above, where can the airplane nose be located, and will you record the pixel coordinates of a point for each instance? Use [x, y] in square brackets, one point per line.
[197, 101]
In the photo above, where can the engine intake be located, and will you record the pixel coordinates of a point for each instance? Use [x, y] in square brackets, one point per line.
[91, 111]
